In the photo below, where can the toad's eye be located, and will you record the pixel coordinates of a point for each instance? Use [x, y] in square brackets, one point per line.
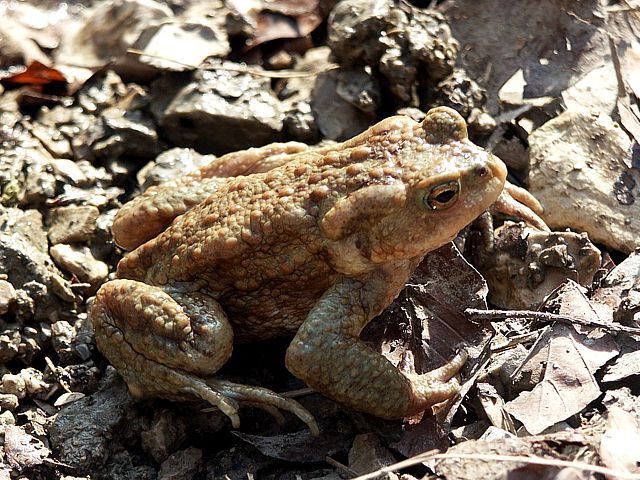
[442, 196]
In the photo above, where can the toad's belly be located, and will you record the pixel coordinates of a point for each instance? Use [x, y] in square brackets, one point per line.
[272, 311]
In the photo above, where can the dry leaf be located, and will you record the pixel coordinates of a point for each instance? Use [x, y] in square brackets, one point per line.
[21, 449]
[36, 74]
[300, 446]
[493, 406]
[428, 319]
[288, 19]
[620, 444]
[567, 388]
[625, 366]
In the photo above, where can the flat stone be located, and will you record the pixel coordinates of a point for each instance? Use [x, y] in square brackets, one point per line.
[79, 261]
[578, 171]
[73, 224]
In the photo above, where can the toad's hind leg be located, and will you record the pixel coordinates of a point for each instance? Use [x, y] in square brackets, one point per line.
[168, 344]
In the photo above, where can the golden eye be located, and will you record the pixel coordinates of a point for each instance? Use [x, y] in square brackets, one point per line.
[442, 196]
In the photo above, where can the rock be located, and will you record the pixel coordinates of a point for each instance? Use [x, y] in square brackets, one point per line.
[24, 259]
[62, 336]
[14, 384]
[72, 224]
[24, 166]
[101, 92]
[6, 418]
[169, 165]
[336, 117]
[400, 41]
[34, 381]
[7, 296]
[70, 171]
[578, 171]
[126, 133]
[166, 434]
[300, 119]
[8, 401]
[219, 110]
[459, 92]
[83, 431]
[184, 464]
[79, 261]
[367, 454]
[9, 344]
[525, 264]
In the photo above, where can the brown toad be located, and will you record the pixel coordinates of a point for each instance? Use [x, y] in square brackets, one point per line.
[306, 242]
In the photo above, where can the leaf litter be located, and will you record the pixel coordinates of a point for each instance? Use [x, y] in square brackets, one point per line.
[550, 391]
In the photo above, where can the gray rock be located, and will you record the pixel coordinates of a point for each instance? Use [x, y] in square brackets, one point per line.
[72, 224]
[24, 168]
[166, 434]
[79, 261]
[338, 118]
[83, 432]
[101, 92]
[219, 110]
[460, 92]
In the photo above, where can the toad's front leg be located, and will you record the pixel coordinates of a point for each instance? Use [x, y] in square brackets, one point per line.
[327, 354]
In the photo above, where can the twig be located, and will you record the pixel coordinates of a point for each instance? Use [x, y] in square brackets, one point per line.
[335, 463]
[533, 460]
[547, 317]
[242, 69]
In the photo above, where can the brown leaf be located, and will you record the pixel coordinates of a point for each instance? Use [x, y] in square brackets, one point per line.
[21, 449]
[620, 444]
[567, 388]
[288, 19]
[36, 74]
[625, 366]
[427, 319]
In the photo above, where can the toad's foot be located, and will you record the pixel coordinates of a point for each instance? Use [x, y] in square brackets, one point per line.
[264, 399]
[440, 384]
[517, 202]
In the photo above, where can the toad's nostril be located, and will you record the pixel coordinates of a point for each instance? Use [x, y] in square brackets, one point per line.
[482, 172]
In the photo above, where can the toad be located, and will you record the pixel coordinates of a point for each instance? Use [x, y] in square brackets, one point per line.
[289, 240]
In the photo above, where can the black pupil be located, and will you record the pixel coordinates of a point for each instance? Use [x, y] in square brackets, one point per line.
[445, 196]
